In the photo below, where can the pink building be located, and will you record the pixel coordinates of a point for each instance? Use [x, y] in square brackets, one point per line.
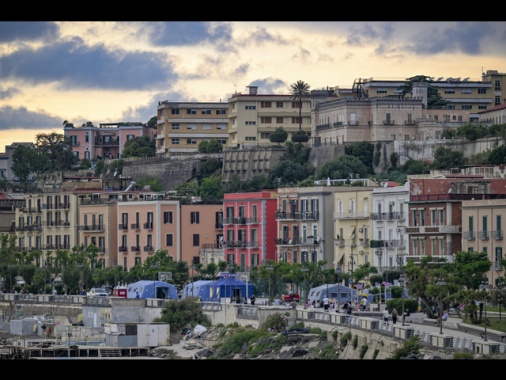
[249, 228]
[105, 141]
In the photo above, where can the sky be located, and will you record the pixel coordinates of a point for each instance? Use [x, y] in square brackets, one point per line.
[118, 71]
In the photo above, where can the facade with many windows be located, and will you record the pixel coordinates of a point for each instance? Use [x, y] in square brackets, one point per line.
[181, 126]
[253, 117]
[248, 228]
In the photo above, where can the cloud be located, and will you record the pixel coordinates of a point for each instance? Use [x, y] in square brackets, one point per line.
[17, 31]
[8, 93]
[271, 86]
[21, 118]
[70, 63]
[188, 33]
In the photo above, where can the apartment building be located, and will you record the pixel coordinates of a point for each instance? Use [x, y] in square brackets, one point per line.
[105, 141]
[482, 231]
[201, 233]
[145, 226]
[48, 222]
[435, 215]
[494, 115]
[352, 227]
[306, 223]
[181, 126]
[388, 220]
[248, 228]
[253, 117]
[462, 93]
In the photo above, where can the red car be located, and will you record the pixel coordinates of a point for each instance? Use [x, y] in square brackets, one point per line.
[290, 297]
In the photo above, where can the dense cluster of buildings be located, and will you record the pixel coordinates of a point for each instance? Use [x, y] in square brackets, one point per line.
[347, 226]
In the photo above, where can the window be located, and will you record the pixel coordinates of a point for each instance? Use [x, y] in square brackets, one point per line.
[265, 135]
[466, 91]
[221, 112]
[392, 136]
[221, 126]
[441, 217]
[250, 138]
[497, 100]
[497, 85]
[467, 106]
[191, 141]
[251, 123]
[196, 240]
[422, 217]
[482, 107]
[174, 111]
[169, 240]
[206, 127]
[167, 217]
[381, 91]
[296, 120]
[406, 137]
[296, 104]
[265, 104]
[174, 126]
[482, 91]
[175, 141]
[191, 111]
[195, 217]
[250, 107]
[266, 120]
[450, 107]
[279, 104]
[191, 126]
[415, 218]
[206, 112]
[449, 91]
[279, 119]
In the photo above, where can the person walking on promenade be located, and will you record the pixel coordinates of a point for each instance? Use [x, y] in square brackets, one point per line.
[385, 315]
[326, 303]
[394, 315]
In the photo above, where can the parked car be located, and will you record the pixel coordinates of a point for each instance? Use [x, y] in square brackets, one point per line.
[97, 292]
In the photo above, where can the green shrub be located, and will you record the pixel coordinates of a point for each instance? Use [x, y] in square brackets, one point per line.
[355, 342]
[345, 338]
[329, 352]
[463, 356]
[376, 352]
[363, 350]
[275, 323]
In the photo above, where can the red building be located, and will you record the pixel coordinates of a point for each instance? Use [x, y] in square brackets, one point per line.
[249, 228]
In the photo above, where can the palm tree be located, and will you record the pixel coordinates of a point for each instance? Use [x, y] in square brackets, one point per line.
[300, 92]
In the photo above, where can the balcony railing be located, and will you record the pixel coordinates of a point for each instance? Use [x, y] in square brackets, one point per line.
[297, 215]
[135, 226]
[469, 235]
[122, 226]
[497, 234]
[352, 215]
[148, 225]
[483, 235]
[148, 248]
[135, 248]
[386, 216]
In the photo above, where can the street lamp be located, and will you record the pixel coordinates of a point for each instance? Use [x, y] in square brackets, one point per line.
[305, 269]
[441, 283]
[484, 286]
[270, 269]
[154, 266]
[351, 264]
[338, 272]
[10, 271]
[402, 280]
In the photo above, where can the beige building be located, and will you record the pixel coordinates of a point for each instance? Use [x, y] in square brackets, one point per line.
[482, 231]
[352, 226]
[181, 126]
[253, 117]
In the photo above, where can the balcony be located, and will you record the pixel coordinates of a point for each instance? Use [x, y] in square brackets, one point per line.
[148, 225]
[483, 235]
[122, 226]
[388, 122]
[434, 229]
[135, 248]
[122, 248]
[497, 235]
[135, 226]
[469, 235]
[352, 215]
[297, 215]
[387, 216]
[148, 249]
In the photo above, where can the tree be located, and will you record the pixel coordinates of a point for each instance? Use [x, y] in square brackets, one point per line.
[341, 167]
[287, 173]
[447, 158]
[179, 313]
[299, 92]
[152, 122]
[434, 100]
[140, 146]
[28, 161]
[210, 189]
[278, 136]
[58, 149]
[153, 182]
[363, 150]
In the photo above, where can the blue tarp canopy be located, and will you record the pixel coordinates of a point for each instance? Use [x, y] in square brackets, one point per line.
[152, 289]
[230, 286]
[200, 288]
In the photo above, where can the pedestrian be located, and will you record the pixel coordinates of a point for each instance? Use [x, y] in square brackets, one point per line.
[394, 315]
[363, 303]
[252, 300]
[385, 315]
[326, 303]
